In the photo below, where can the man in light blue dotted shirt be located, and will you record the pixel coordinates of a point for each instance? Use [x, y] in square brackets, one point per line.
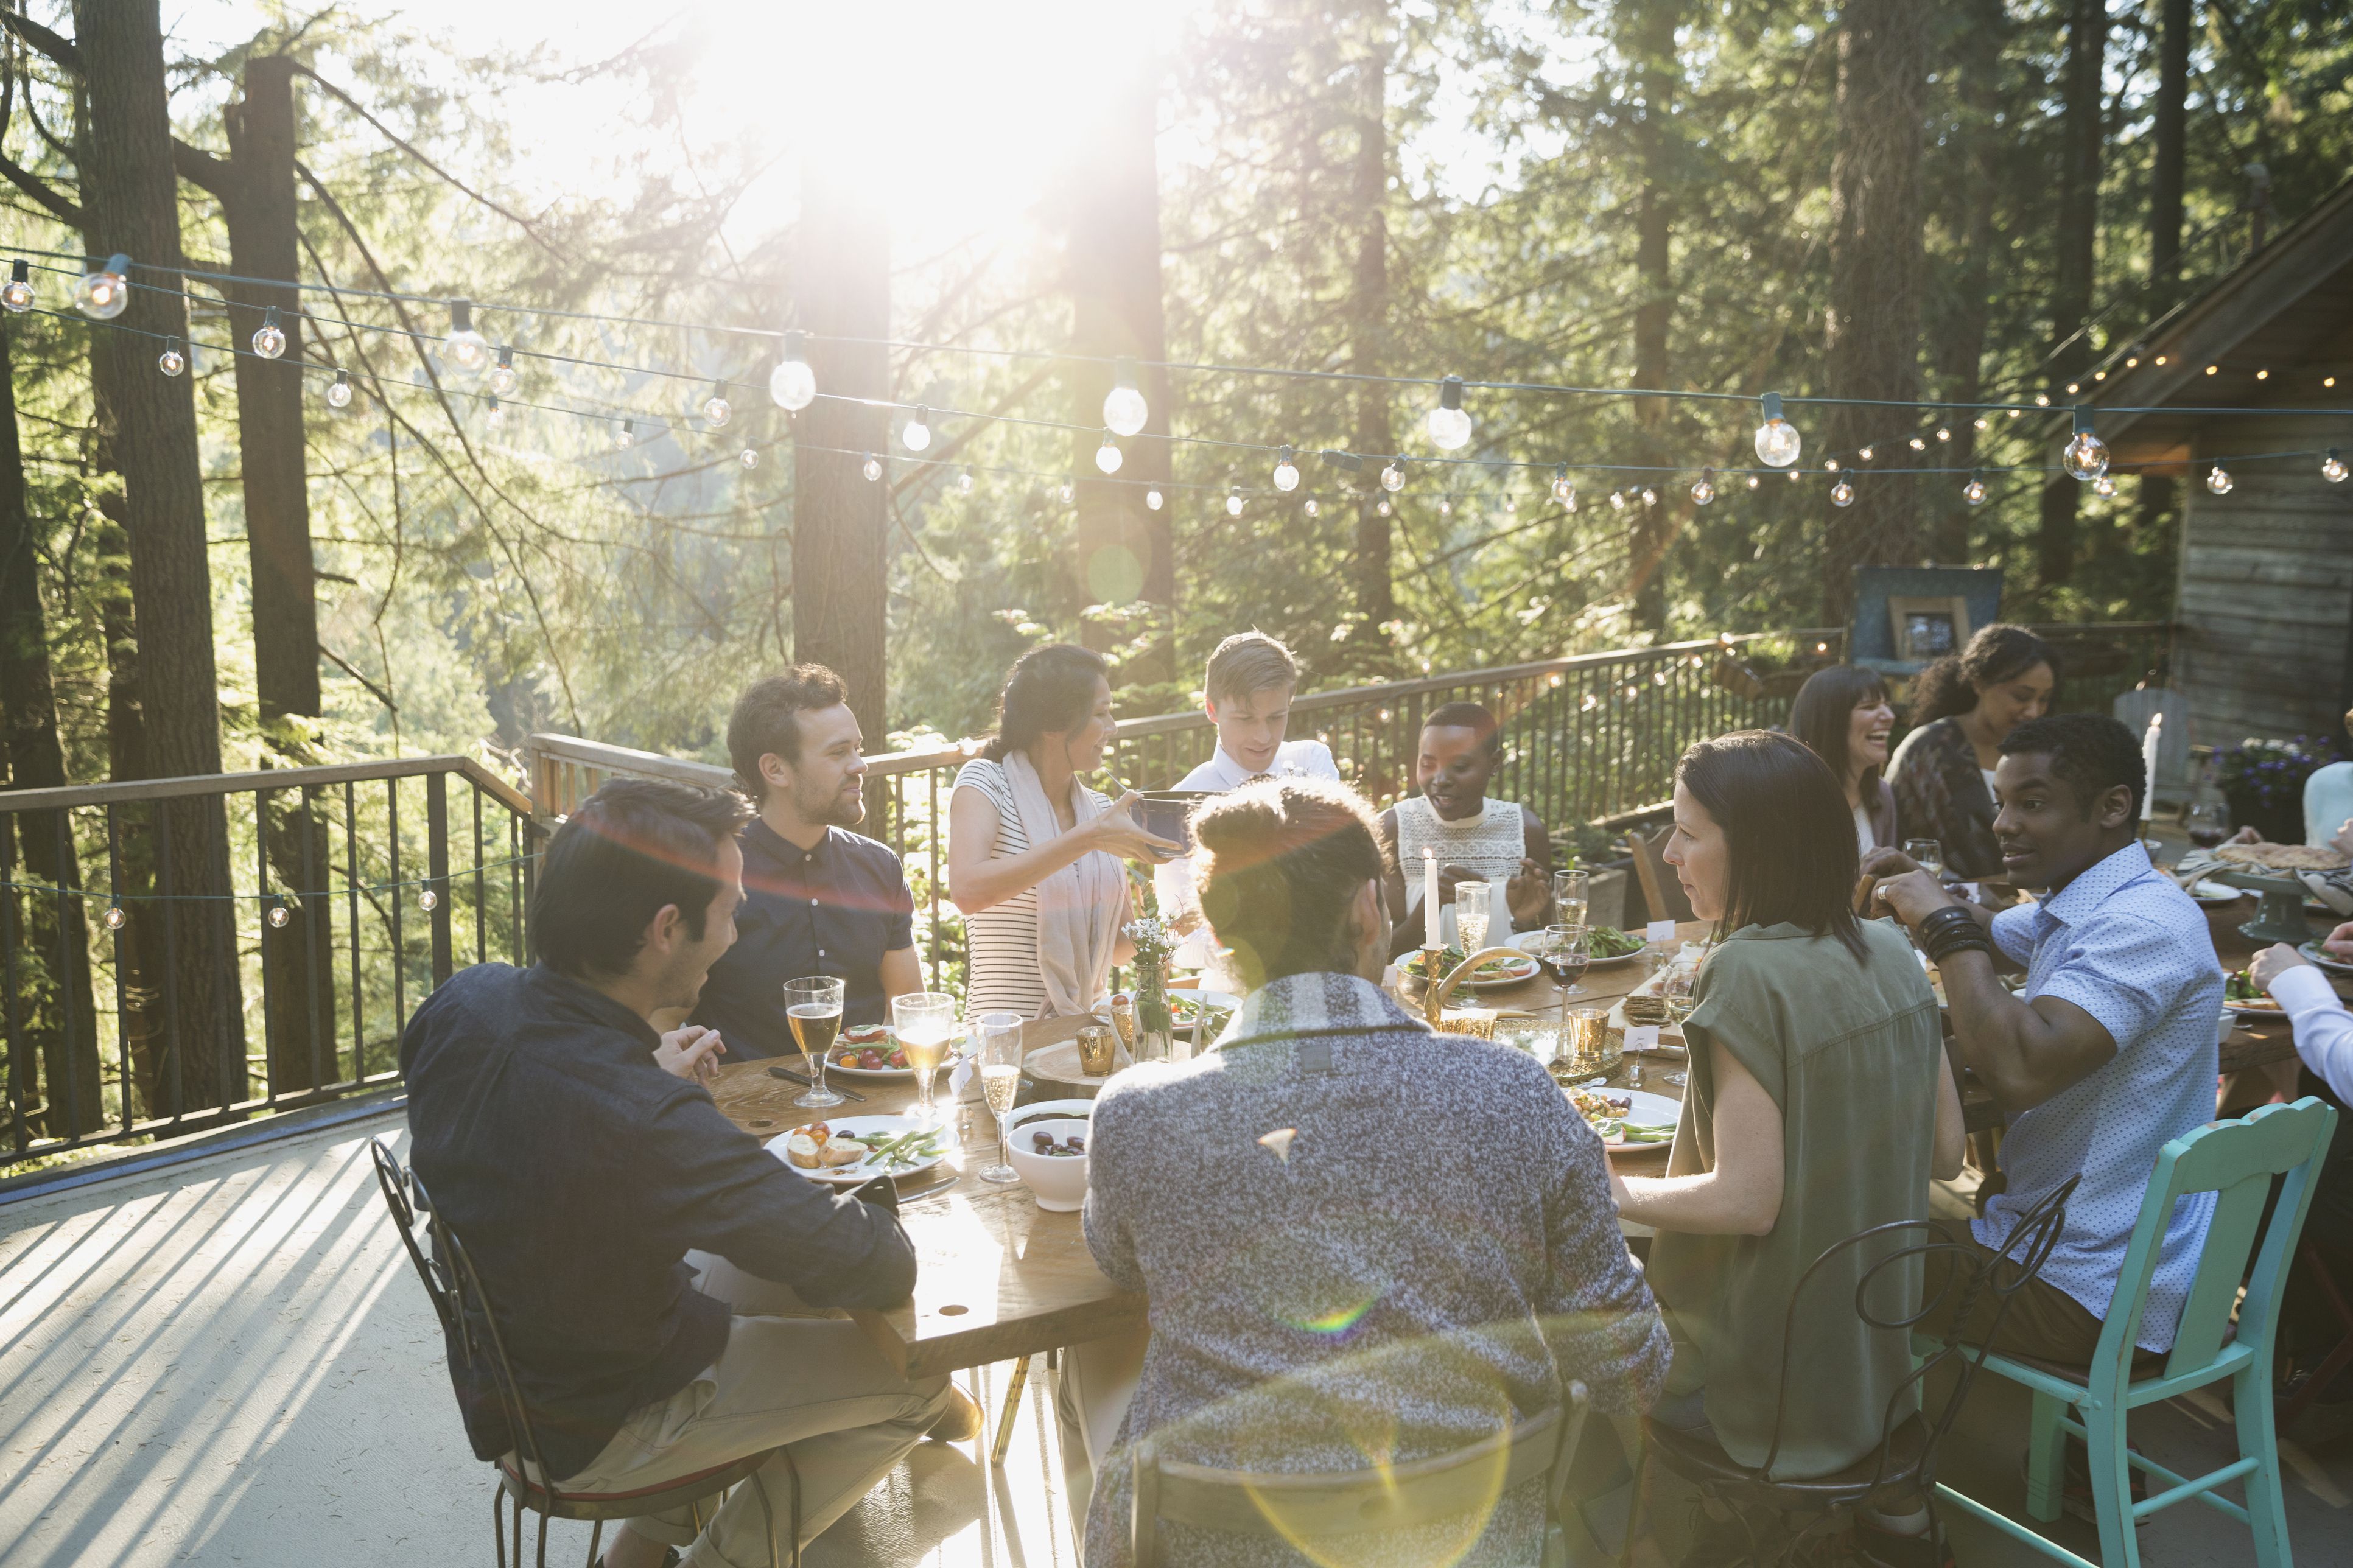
[2108, 1051]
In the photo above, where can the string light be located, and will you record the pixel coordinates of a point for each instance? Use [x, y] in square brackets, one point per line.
[1562, 491]
[627, 435]
[270, 338]
[171, 361]
[1649, 495]
[1796, 475]
[1830, 464]
[871, 467]
[1393, 475]
[1704, 491]
[2332, 467]
[17, 294]
[1777, 441]
[1286, 472]
[465, 351]
[339, 391]
[2085, 457]
[1449, 425]
[1154, 499]
[963, 483]
[428, 900]
[1943, 433]
[114, 917]
[1311, 507]
[1108, 456]
[1234, 501]
[792, 383]
[497, 418]
[1125, 409]
[1979, 421]
[1617, 500]
[716, 409]
[1511, 504]
[2219, 481]
[503, 379]
[277, 916]
[1066, 492]
[1385, 509]
[1866, 453]
[749, 457]
[1918, 445]
[1974, 493]
[1842, 494]
[2105, 485]
[2041, 400]
[102, 294]
[1446, 506]
[916, 433]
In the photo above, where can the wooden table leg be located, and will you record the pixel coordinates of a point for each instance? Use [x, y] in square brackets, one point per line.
[1012, 1408]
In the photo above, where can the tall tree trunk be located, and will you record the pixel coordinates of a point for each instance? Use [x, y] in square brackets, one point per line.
[55, 1015]
[2165, 169]
[1959, 350]
[256, 196]
[1874, 329]
[132, 199]
[840, 517]
[157, 1075]
[1125, 548]
[1658, 73]
[1373, 583]
[2078, 245]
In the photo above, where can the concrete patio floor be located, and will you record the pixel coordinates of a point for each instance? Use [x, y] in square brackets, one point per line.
[228, 1361]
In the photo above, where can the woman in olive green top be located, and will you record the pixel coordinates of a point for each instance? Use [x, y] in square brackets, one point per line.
[1820, 1103]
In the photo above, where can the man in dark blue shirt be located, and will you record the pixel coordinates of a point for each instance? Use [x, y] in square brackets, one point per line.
[817, 899]
[581, 1161]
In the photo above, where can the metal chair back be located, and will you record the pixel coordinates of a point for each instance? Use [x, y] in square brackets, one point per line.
[1298, 1507]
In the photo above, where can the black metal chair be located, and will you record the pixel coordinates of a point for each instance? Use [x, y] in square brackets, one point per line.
[471, 1332]
[1902, 1469]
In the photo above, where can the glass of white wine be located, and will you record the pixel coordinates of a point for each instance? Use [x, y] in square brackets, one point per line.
[997, 1044]
[1927, 854]
[924, 1021]
[1471, 907]
[813, 1006]
[1572, 895]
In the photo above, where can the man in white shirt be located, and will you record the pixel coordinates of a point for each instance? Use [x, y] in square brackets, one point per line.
[2324, 1038]
[1246, 693]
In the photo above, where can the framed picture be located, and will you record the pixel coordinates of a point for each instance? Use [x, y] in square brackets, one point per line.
[1924, 629]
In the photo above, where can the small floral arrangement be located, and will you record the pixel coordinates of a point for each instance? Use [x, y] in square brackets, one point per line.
[1152, 937]
[2269, 773]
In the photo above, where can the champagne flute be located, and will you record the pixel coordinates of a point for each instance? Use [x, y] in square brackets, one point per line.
[1927, 854]
[1572, 896]
[1471, 907]
[923, 1020]
[997, 1042]
[813, 1006]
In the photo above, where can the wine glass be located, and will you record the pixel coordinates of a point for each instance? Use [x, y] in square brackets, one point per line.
[2208, 823]
[1566, 954]
[1572, 894]
[1472, 902]
[998, 1045]
[813, 1007]
[924, 1021]
[1675, 987]
[1927, 854]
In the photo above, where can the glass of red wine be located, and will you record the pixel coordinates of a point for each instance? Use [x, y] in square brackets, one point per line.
[1566, 954]
[2208, 823]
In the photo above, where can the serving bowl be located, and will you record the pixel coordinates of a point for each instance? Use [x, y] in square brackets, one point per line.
[1058, 1181]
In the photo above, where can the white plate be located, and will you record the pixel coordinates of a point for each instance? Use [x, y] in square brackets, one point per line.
[2318, 956]
[2247, 1010]
[1525, 942]
[865, 1169]
[1647, 1109]
[2211, 892]
[1194, 994]
[887, 1040]
[1502, 982]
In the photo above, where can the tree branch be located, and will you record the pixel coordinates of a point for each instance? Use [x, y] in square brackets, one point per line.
[59, 50]
[40, 190]
[378, 692]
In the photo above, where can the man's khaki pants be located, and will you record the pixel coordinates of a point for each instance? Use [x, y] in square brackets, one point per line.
[815, 1387]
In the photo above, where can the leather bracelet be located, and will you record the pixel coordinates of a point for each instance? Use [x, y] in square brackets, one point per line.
[1942, 944]
[1950, 916]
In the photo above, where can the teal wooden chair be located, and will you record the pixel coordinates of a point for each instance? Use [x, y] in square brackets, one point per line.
[2236, 1161]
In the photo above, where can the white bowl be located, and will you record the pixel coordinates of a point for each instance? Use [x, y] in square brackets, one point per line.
[2230, 1021]
[1058, 1180]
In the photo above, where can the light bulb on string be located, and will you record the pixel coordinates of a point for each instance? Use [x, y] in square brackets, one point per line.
[916, 433]
[270, 338]
[2085, 456]
[627, 435]
[1154, 499]
[2041, 400]
[871, 467]
[171, 361]
[2219, 481]
[1649, 495]
[1617, 500]
[1866, 453]
[339, 391]
[1918, 445]
[716, 409]
[1511, 505]
[503, 379]
[1446, 506]
[1066, 492]
[749, 457]
[1842, 494]
[1562, 491]
[1705, 491]
[1449, 425]
[103, 291]
[1385, 509]
[279, 917]
[1979, 423]
[496, 419]
[1108, 456]
[428, 900]
[1313, 508]
[1943, 433]
[1286, 472]
[1393, 475]
[17, 294]
[2105, 485]
[1830, 464]
[1754, 482]
[1125, 409]
[963, 483]
[1796, 475]
[1974, 493]
[1777, 441]
[1234, 501]
[465, 351]
[792, 383]
[114, 917]
[2332, 467]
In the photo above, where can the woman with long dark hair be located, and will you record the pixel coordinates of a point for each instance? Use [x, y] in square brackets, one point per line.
[1845, 717]
[1962, 705]
[1819, 1105]
[1034, 854]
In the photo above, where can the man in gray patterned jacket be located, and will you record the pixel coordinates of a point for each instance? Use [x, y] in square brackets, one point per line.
[1362, 1241]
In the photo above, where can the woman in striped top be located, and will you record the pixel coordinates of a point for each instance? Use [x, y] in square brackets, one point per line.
[1033, 854]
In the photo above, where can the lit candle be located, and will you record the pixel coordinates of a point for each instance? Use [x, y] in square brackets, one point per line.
[1430, 927]
[2148, 744]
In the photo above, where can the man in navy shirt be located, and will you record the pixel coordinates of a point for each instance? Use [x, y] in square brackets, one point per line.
[817, 898]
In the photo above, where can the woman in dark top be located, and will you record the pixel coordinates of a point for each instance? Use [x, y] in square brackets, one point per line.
[1962, 706]
[1844, 716]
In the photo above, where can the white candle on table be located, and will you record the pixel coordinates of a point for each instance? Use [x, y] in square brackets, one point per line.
[1430, 927]
[2148, 744]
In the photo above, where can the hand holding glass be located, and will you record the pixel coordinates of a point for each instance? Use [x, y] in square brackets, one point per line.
[923, 1020]
[813, 1006]
[997, 1044]
[1927, 854]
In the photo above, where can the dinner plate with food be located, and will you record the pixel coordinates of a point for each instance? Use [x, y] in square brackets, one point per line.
[869, 1052]
[1188, 1005]
[2241, 996]
[2321, 957]
[1493, 976]
[2208, 891]
[1607, 944]
[853, 1148]
[1627, 1118]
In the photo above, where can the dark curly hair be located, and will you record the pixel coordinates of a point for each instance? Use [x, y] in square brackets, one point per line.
[1050, 689]
[1279, 863]
[1998, 653]
[2092, 751]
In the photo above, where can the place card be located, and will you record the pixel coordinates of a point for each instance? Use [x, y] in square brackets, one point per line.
[1641, 1037]
[1660, 930]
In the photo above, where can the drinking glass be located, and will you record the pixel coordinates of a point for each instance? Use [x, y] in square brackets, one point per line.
[2208, 823]
[1676, 986]
[1471, 907]
[813, 1006]
[1585, 1045]
[1926, 854]
[1566, 953]
[1572, 894]
[925, 1020]
[998, 1046]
